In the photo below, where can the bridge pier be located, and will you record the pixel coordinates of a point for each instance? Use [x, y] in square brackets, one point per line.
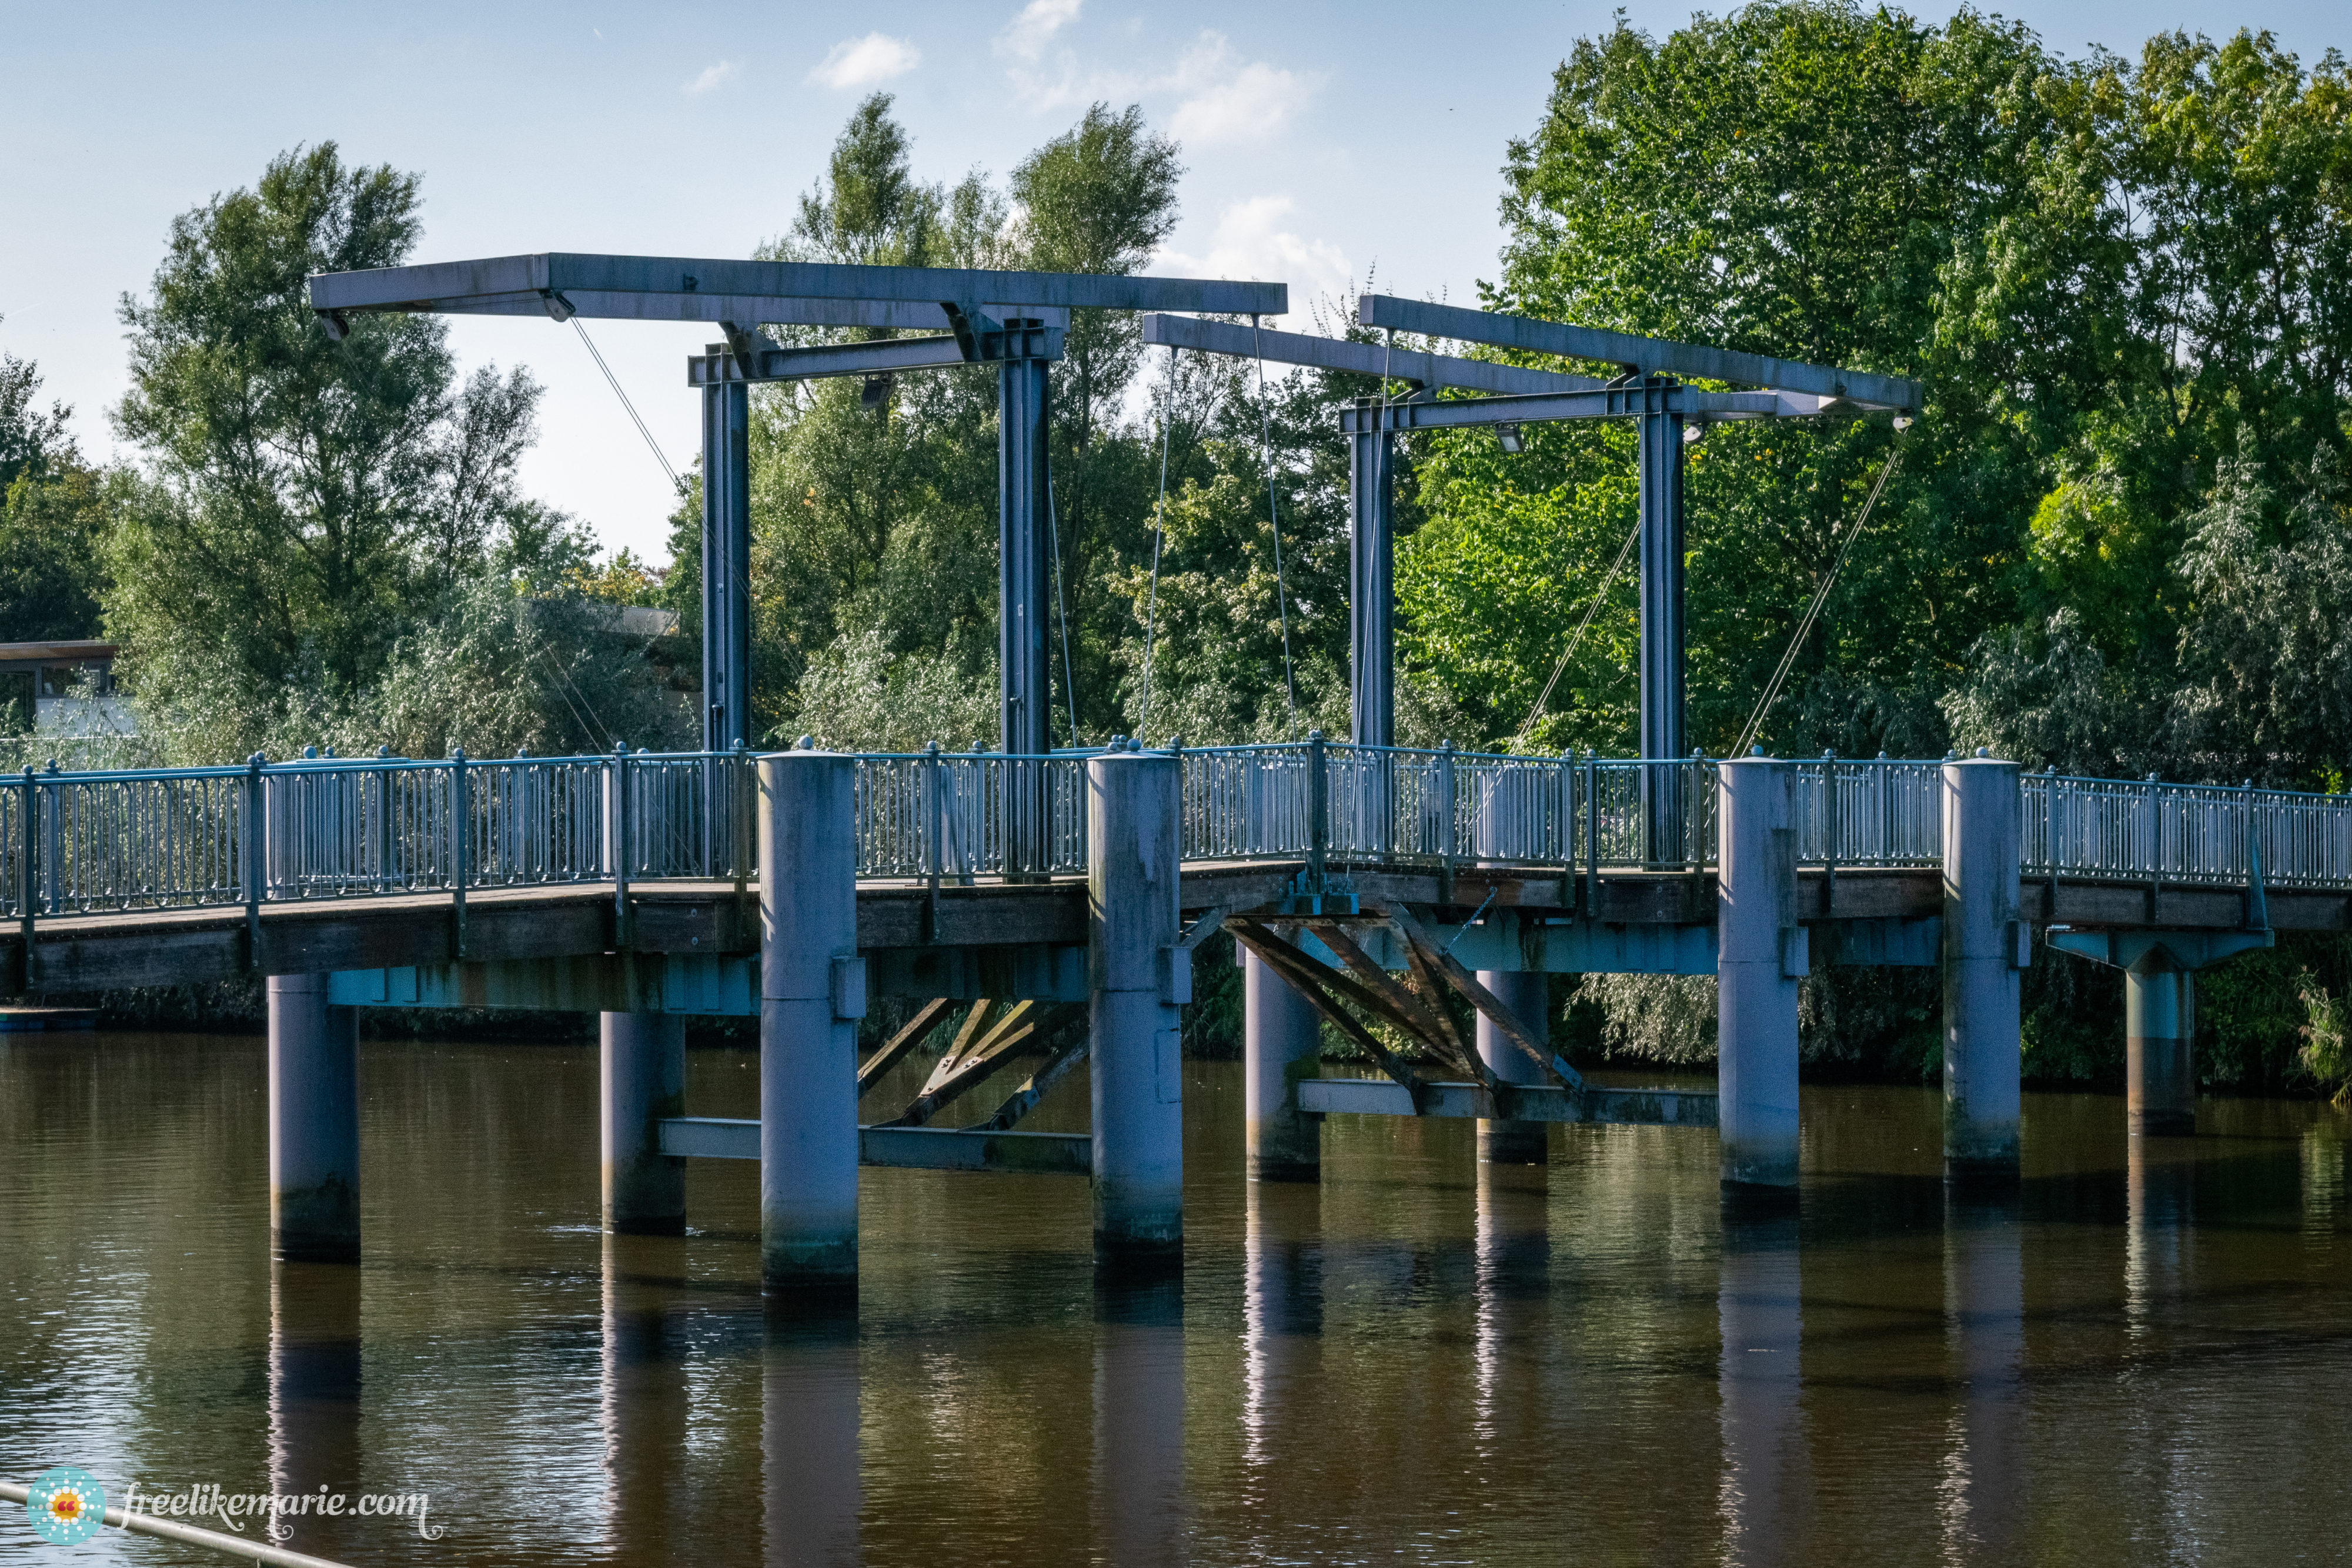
[1984, 942]
[2159, 1036]
[1760, 954]
[1136, 977]
[314, 1122]
[812, 990]
[1528, 996]
[1282, 1041]
[642, 1078]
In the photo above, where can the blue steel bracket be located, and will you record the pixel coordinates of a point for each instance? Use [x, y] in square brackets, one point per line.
[1336, 895]
[763, 361]
[2188, 949]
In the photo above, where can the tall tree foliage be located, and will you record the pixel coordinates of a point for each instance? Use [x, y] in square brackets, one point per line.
[312, 495]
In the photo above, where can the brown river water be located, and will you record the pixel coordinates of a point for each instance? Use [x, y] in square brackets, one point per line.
[2143, 1356]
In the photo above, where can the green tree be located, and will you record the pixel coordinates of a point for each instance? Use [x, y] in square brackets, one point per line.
[312, 496]
[53, 514]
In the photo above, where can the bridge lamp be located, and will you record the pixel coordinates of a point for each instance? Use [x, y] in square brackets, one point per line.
[1507, 437]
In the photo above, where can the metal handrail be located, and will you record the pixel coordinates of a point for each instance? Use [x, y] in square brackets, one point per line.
[122, 840]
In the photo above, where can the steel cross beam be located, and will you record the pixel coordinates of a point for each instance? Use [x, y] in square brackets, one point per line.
[822, 294]
[1643, 356]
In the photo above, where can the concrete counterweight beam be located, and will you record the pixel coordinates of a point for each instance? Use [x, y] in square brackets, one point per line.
[812, 990]
[1984, 942]
[1761, 953]
[642, 1079]
[1137, 977]
[314, 1122]
[1282, 1044]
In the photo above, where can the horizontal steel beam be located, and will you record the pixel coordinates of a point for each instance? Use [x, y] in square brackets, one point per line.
[686, 289]
[1609, 403]
[1361, 359]
[911, 1148]
[1532, 1103]
[1644, 355]
[885, 357]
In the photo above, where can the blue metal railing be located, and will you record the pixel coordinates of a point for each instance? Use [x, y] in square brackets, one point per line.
[84, 844]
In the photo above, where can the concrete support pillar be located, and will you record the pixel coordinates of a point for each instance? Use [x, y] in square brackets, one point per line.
[643, 1079]
[314, 1122]
[1282, 1038]
[1528, 996]
[1983, 940]
[2159, 1036]
[812, 990]
[1758, 943]
[1137, 1064]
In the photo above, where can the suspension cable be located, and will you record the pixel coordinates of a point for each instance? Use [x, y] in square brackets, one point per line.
[1813, 611]
[1159, 534]
[1273, 516]
[1061, 610]
[613, 382]
[1569, 652]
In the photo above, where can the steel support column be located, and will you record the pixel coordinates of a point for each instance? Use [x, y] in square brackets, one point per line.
[1663, 732]
[1983, 942]
[1022, 393]
[726, 566]
[1372, 587]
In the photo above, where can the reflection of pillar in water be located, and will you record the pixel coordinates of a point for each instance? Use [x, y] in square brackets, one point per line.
[809, 1413]
[1282, 1040]
[1984, 1313]
[2323, 1180]
[1282, 1305]
[1514, 1280]
[2158, 1196]
[644, 1413]
[1766, 1499]
[314, 1399]
[1140, 1418]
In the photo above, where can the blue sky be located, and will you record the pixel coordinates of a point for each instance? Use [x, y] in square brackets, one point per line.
[1321, 142]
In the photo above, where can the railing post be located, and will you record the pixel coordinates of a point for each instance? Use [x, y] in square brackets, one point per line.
[623, 849]
[27, 838]
[2054, 829]
[2156, 848]
[461, 823]
[739, 833]
[254, 842]
[1446, 834]
[1318, 811]
[53, 857]
[935, 832]
[1829, 831]
[1591, 833]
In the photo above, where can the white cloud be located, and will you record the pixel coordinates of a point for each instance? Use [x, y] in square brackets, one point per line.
[1025, 36]
[866, 61]
[1230, 99]
[725, 70]
[1251, 242]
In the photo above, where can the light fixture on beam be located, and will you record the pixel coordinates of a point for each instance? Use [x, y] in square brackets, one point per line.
[1902, 422]
[1507, 437]
[1694, 431]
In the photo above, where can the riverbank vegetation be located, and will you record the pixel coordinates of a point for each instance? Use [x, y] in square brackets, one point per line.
[2115, 540]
